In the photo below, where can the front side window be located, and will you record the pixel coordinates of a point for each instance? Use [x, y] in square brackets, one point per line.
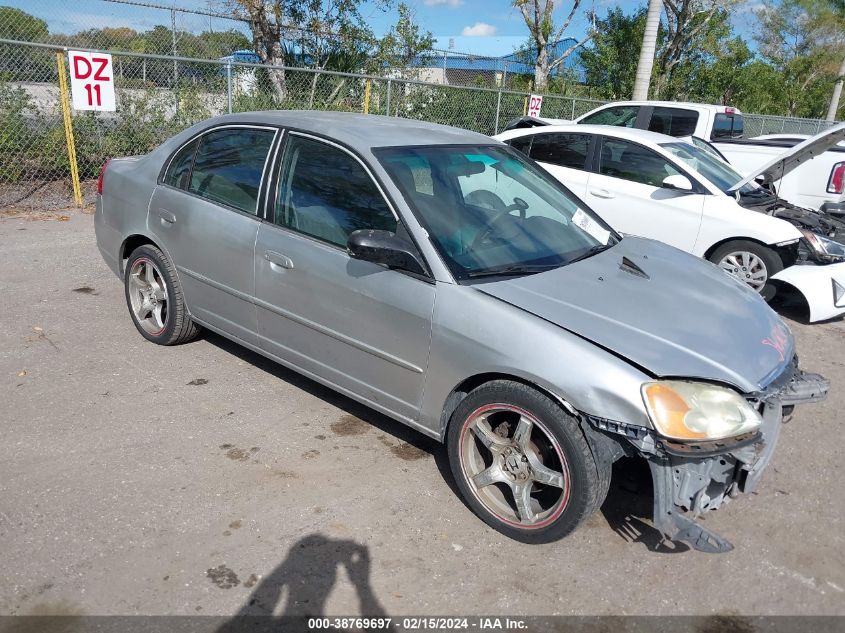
[325, 193]
[629, 161]
[673, 121]
[716, 171]
[565, 150]
[621, 116]
[228, 166]
[492, 212]
[179, 170]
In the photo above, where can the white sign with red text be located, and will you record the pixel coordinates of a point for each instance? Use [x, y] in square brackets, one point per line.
[535, 102]
[91, 81]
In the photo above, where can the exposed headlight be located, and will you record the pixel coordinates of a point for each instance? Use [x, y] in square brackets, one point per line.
[698, 411]
[823, 246]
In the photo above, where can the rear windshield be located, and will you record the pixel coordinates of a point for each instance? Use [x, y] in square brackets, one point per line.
[728, 126]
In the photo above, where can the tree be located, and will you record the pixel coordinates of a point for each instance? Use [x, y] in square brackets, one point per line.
[796, 43]
[831, 14]
[544, 35]
[403, 46]
[610, 61]
[18, 25]
[649, 45]
[23, 64]
[688, 24]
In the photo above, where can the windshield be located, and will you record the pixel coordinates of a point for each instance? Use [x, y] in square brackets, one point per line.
[489, 210]
[713, 169]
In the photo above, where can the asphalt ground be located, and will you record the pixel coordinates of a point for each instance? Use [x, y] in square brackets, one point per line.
[204, 479]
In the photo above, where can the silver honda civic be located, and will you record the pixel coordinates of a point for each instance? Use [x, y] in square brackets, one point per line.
[447, 281]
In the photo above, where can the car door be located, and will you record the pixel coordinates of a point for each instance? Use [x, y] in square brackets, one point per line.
[564, 155]
[359, 326]
[204, 213]
[625, 189]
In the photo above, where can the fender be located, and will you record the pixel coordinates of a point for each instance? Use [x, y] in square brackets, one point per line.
[817, 285]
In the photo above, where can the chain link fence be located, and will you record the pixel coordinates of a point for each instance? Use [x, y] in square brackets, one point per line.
[174, 67]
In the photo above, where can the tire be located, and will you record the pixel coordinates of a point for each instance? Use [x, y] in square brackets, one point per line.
[154, 298]
[750, 262]
[553, 471]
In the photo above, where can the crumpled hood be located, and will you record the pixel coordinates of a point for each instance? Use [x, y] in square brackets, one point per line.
[687, 319]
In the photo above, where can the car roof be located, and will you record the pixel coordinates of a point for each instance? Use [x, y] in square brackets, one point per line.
[676, 104]
[628, 133]
[360, 131]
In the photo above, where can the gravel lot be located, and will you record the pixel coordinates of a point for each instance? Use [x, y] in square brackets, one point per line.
[204, 479]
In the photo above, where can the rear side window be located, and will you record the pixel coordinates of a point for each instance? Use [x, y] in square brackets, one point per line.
[228, 167]
[621, 116]
[522, 143]
[179, 170]
[673, 121]
[327, 194]
[565, 150]
[728, 126]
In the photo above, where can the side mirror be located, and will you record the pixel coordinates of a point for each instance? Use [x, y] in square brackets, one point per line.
[384, 247]
[677, 182]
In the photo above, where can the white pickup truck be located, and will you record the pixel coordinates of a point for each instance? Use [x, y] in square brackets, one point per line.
[817, 184]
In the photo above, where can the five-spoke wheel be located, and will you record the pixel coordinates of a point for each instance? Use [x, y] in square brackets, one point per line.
[154, 297]
[523, 463]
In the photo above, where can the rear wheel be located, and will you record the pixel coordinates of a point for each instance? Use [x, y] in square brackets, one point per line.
[523, 464]
[751, 263]
[154, 298]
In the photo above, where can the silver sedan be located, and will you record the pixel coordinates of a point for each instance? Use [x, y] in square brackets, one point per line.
[445, 280]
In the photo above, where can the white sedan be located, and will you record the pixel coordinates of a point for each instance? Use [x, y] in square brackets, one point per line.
[657, 186]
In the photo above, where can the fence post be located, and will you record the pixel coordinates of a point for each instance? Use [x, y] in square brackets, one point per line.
[71, 146]
[173, 43]
[572, 118]
[389, 82]
[498, 109]
[229, 84]
[367, 87]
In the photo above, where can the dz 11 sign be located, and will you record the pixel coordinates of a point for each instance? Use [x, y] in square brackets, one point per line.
[535, 102]
[91, 81]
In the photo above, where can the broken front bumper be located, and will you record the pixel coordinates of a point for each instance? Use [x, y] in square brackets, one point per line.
[690, 479]
[823, 287]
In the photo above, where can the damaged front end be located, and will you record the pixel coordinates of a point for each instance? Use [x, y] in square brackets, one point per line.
[694, 477]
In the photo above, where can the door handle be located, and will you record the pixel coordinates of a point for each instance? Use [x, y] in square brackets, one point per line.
[602, 193]
[277, 259]
[166, 217]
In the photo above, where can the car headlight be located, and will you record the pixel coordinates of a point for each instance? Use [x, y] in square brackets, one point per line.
[823, 246]
[698, 411]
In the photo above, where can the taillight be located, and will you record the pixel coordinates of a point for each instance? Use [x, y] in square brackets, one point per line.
[836, 183]
[730, 110]
[100, 179]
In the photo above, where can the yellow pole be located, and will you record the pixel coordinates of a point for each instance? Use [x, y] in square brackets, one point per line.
[367, 86]
[71, 147]
[525, 107]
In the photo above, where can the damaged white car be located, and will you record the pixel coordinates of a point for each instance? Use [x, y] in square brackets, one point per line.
[657, 186]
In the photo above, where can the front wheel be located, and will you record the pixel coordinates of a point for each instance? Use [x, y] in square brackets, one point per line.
[751, 263]
[154, 298]
[523, 464]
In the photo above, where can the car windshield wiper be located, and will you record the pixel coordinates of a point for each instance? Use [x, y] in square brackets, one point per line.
[593, 250]
[512, 269]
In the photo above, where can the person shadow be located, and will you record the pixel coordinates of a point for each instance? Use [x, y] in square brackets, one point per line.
[299, 587]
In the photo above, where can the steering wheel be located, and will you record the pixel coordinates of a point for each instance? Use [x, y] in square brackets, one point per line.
[485, 231]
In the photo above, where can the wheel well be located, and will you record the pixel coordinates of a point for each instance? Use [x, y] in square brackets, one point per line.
[713, 248]
[788, 254]
[474, 382]
[131, 243]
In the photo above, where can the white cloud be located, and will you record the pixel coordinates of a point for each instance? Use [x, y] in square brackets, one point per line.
[443, 3]
[479, 29]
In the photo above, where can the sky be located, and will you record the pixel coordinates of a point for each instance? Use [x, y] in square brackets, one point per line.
[479, 27]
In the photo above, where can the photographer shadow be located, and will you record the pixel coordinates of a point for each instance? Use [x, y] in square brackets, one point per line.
[301, 585]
